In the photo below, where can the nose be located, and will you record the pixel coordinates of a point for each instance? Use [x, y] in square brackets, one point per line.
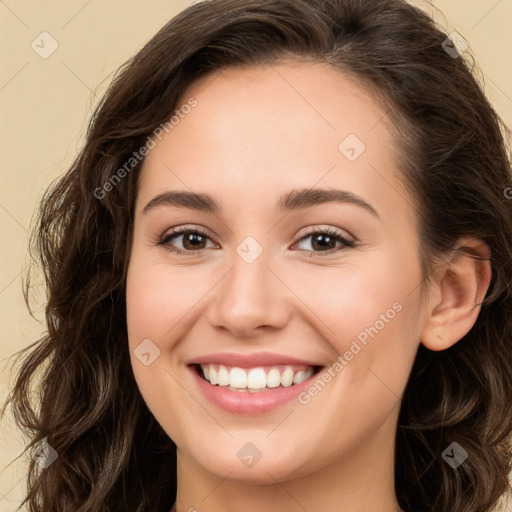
[250, 300]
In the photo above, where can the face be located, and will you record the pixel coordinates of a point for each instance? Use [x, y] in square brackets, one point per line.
[293, 285]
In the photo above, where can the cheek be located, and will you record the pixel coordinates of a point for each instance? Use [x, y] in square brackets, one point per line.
[346, 299]
[369, 316]
[158, 299]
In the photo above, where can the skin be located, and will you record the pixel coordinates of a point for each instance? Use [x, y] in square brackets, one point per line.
[256, 134]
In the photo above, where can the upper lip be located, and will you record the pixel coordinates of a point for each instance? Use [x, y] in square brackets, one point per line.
[249, 360]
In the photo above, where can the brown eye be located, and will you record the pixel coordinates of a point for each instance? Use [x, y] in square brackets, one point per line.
[325, 240]
[192, 241]
[321, 241]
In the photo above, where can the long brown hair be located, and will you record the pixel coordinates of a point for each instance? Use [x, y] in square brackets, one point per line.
[111, 453]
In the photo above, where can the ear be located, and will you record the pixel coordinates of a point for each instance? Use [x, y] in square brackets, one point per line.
[455, 297]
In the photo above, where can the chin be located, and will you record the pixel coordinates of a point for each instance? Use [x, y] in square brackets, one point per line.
[257, 463]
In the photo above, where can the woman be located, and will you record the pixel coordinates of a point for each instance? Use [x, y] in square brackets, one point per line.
[279, 274]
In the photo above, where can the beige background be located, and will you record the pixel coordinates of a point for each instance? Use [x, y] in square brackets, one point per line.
[46, 103]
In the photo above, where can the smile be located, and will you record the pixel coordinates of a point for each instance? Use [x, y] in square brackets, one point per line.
[251, 384]
[254, 380]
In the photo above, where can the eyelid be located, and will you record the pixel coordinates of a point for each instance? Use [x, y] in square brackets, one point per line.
[325, 228]
[179, 230]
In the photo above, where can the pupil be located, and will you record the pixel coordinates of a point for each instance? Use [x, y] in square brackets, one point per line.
[323, 240]
[193, 238]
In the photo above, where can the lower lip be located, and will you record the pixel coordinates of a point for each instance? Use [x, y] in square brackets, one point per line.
[250, 403]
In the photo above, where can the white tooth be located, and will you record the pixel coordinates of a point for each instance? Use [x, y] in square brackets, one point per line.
[273, 378]
[213, 374]
[205, 371]
[299, 377]
[257, 378]
[237, 378]
[223, 376]
[308, 373]
[287, 377]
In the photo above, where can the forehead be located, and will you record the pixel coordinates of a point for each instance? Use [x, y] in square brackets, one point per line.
[259, 131]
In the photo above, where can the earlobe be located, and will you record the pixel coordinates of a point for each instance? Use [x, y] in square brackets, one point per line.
[455, 298]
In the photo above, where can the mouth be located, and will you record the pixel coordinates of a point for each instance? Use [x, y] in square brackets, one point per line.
[254, 383]
[251, 384]
[256, 379]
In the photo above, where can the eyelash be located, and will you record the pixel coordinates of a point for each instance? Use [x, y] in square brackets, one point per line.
[167, 237]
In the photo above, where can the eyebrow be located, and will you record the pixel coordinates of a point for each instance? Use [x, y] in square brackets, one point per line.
[294, 200]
